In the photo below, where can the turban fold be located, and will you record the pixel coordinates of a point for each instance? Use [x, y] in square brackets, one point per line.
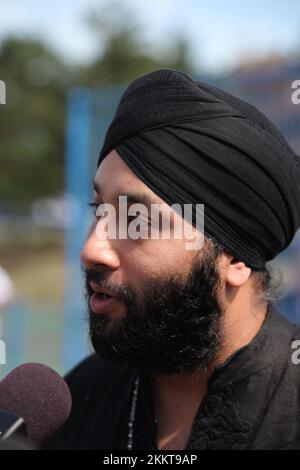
[192, 143]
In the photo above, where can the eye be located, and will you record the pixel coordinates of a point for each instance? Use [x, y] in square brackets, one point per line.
[94, 206]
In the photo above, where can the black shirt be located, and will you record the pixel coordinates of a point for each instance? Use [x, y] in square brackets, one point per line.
[252, 400]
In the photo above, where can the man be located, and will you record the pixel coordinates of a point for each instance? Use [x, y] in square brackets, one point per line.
[190, 351]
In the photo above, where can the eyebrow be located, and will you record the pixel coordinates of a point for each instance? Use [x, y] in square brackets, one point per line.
[132, 198]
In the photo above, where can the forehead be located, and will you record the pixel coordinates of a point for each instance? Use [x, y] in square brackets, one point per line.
[114, 176]
[114, 179]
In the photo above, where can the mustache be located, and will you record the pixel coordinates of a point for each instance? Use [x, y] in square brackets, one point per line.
[100, 278]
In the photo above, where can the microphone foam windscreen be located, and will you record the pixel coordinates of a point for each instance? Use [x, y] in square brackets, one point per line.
[39, 395]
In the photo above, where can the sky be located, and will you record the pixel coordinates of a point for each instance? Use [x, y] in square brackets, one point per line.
[220, 32]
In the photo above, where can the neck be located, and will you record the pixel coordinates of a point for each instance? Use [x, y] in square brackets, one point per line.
[176, 400]
[177, 397]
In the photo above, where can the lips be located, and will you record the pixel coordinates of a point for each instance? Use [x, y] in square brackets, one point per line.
[101, 290]
[102, 300]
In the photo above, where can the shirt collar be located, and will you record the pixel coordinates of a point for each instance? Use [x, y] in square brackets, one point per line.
[258, 354]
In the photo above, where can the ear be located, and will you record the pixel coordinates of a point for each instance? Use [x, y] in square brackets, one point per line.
[235, 272]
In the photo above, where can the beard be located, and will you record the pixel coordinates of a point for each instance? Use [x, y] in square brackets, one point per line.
[175, 326]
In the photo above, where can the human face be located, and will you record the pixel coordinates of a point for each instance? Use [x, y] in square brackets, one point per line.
[163, 315]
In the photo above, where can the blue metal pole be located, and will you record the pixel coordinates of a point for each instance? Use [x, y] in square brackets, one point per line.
[78, 150]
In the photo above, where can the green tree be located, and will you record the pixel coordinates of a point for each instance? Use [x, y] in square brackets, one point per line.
[32, 124]
[124, 53]
[32, 121]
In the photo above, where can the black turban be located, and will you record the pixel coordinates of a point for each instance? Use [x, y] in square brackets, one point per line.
[192, 143]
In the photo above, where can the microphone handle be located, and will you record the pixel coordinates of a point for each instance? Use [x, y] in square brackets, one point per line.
[10, 424]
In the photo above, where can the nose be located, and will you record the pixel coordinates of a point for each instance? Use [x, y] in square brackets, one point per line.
[99, 252]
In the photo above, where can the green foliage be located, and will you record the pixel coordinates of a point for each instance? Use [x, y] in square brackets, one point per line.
[124, 53]
[32, 124]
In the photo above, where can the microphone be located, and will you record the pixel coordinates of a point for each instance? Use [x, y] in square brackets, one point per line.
[9, 424]
[34, 401]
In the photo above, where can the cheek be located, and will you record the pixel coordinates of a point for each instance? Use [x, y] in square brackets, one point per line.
[150, 258]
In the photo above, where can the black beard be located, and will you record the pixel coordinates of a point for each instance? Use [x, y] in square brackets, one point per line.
[178, 329]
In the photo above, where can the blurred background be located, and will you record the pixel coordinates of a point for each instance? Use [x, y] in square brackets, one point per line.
[65, 65]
